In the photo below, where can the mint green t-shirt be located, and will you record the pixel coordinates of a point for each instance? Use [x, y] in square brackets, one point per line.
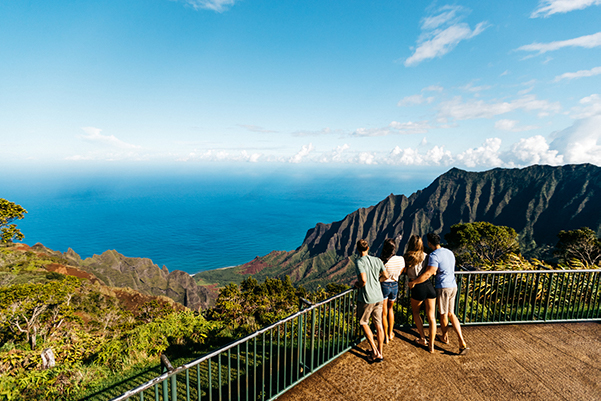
[372, 267]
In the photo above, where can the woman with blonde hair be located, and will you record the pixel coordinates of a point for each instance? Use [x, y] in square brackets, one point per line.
[416, 261]
[390, 288]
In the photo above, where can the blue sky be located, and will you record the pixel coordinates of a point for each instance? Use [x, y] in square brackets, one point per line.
[469, 84]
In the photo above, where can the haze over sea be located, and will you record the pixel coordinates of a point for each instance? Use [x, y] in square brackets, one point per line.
[195, 219]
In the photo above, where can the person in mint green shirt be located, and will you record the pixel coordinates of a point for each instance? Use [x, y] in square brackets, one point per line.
[370, 271]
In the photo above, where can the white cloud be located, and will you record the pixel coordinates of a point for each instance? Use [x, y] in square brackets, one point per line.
[365, 158]
[221, 155]
[588, 41]
[371, 132]
[325, 131]
[407, 157]
[414, 99]
[485, 155]
[336, 155]
[581, 142]
[418, 127]
[254, 128]
[438, 155]
[448, 14]
[215, 5]
[457, 109]
[433, 88]
[579, 74]
[443, 42]
[303, 153]
[533, 150]
[512, 125]
[94, 135]
[471, 88]
[549, 7]
[591, 106]
[441, 33]
[395, 127]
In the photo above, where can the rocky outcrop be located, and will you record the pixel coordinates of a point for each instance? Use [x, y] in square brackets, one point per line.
[140, 274]
[146, 277]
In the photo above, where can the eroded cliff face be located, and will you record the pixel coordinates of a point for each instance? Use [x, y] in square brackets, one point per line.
[536, 201]
[140, 274]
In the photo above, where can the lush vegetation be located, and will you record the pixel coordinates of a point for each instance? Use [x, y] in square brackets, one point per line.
[10, 212]
[100, 335]
[485, 246]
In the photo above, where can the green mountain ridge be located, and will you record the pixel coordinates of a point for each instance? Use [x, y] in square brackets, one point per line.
[537, 201]
[140, 274]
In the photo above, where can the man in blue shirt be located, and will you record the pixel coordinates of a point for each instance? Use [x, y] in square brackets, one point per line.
[441, 263]
[370, 271]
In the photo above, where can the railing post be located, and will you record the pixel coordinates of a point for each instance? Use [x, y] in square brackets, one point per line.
[174, 388]
[165, 387]
[458, 296]
[549, 288]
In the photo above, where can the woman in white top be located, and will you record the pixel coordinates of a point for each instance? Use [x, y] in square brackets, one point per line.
[390, 288]
[416, 260]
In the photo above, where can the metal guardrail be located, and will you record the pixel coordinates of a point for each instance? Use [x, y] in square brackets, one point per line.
[264, 364]
[525, 296]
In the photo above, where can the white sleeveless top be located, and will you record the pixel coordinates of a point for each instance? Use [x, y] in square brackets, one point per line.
[394, 266]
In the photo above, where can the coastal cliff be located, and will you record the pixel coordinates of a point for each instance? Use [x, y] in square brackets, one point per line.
[536, 201]
[140, 274]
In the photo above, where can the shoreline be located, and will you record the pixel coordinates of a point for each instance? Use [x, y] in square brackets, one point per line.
[219, 268]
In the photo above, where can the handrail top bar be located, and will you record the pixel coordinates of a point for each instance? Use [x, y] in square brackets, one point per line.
[231, 345]
[553, 271]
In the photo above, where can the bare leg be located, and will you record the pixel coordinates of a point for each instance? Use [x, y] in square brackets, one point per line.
[431, 315]
[444, 327]
[370, 339]
[417, 318]
[385, 322]
[390, 320]
[457, 327]
[380, 333]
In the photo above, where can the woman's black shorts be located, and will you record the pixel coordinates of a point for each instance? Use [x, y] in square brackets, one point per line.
[423, 291]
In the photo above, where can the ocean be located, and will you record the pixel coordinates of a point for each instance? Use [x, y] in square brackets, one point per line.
[194, 219]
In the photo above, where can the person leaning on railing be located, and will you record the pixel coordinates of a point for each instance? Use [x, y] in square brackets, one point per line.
[370, 271]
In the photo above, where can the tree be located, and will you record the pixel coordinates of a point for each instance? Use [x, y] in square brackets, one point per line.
[481, 243]
[582, 244]
[10, 212]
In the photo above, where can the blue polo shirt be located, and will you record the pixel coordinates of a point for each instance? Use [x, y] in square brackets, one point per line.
[444, 260]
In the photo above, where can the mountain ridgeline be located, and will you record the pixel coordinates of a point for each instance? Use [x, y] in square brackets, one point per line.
[537, 201]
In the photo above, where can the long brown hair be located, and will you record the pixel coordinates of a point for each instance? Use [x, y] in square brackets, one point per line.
[388, 250]
[414, 254]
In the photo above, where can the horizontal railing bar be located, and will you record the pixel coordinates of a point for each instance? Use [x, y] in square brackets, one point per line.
[463, 272]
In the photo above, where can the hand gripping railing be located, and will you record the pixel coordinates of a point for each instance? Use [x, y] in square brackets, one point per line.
[264, 364]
